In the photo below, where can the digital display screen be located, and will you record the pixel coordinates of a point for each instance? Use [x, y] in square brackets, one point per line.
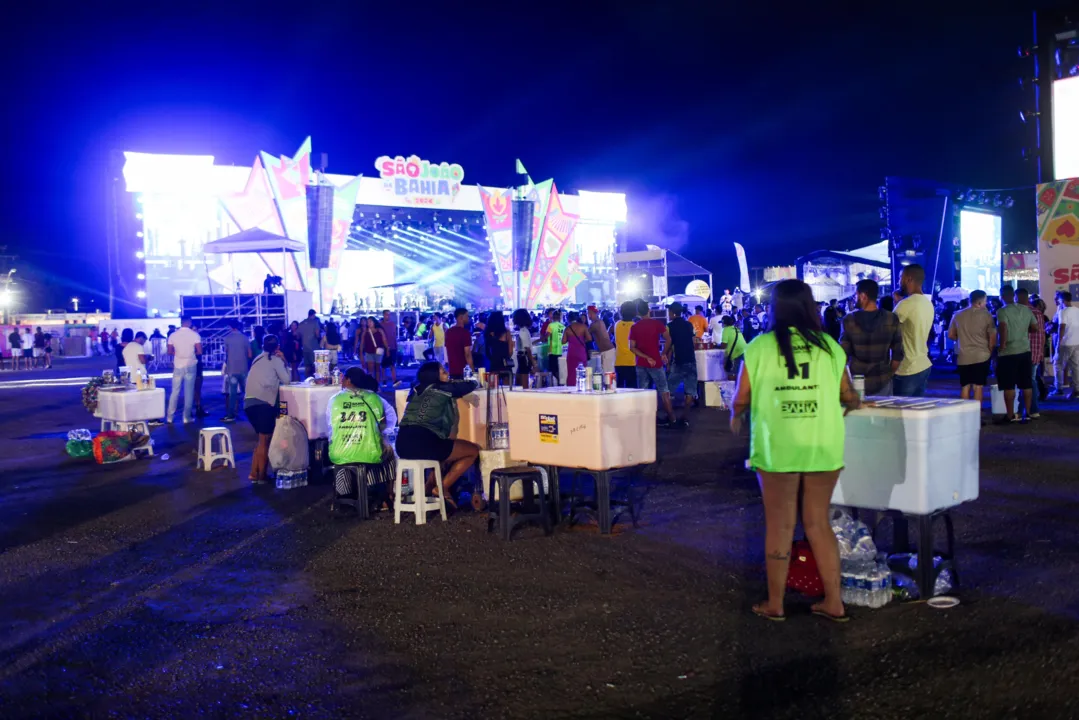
[1066, 128]
[979, 251]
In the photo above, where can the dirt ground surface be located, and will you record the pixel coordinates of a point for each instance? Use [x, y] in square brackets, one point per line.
[148, 589]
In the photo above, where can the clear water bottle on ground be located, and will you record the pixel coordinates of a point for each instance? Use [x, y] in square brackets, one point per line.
[582, 378]
[468, 372]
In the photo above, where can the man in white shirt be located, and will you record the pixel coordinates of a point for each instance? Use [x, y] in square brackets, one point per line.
[916, 315]
[28, 348]
[715, 325]
[1067, 344]
[136, 355]
[185, 346]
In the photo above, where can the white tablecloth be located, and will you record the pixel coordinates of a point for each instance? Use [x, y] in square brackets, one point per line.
[594, 431]
[308, 404]
[131, 405]
[413, 349]
[710, 365]
[915, 455]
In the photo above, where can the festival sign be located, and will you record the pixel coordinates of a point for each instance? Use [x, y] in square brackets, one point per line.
[1058, 236]
[498, 210]
[419, 183]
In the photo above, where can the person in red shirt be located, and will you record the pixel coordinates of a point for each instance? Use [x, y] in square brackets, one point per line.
[644, 339]
[459, 345]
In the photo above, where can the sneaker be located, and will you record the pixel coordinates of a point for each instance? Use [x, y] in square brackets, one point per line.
[187, 421]
[680, 424]
[663, 423]
[1024, 421]
[1014, 420]
[1035, 416]
[169, 419]
[228, 419]
[156, 423]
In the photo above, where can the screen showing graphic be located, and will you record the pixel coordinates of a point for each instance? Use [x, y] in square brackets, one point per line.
[979, 251]
[1066, 128]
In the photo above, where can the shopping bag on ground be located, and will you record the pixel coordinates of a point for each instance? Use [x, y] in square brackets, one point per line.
[288, 446]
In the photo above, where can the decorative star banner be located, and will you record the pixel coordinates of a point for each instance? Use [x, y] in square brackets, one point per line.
[1058, 236]
[550, 270]
[498, 209]
[254, 207]
[289, 177]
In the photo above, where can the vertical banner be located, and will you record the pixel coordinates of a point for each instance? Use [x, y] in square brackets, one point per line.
[743, 269]
[344, 205]
[498, 210]
[554, 246]
[1058, 237]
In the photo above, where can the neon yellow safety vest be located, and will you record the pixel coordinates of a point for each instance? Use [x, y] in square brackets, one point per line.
[795, 415]
[355, 436]
[555, 331]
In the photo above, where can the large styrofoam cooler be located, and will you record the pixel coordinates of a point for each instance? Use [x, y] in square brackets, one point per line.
[710, 365]
[131, 405]
[915, 455]
[594, 431]
[308, 404]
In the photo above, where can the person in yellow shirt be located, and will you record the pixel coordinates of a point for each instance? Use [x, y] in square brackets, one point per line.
[699, 322]
[438, 338]
[625, 362]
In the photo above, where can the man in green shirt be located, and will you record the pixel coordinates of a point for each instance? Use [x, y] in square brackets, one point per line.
[555, 332]
[733, 343]
[1015, 322]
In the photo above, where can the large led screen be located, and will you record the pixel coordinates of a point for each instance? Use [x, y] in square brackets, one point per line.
[1066, 128]
[979, 251]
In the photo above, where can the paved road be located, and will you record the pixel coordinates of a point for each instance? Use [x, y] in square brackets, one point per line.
[150, 590]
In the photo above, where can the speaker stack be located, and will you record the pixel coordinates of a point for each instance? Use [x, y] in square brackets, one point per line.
[319, 224]
[523, 213]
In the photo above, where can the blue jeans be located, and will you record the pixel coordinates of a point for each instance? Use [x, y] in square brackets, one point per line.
[187, 377]
[1034, 390]
[237, 386]
[911, 385]
[654, 375]
[684, 373]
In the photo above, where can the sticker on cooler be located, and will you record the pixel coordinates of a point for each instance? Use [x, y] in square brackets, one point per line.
[548, 428]
[284, 408]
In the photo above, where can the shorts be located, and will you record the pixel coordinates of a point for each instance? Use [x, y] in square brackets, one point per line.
[1015, 371]
[39, 352]
[28, 352]
[974, 374]
[372, 358]
[625, 376]
[389, 358]
[263, 417]
[415, 442]
[656, 375]
[684, 373]
[524, 363]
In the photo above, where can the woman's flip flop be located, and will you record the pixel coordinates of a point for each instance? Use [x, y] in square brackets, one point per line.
[830, 616]
[759, 612]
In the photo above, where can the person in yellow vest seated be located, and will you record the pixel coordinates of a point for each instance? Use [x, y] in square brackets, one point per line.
[794, 384]
[357, 417]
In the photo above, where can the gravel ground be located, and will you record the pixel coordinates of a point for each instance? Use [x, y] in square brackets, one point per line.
[151, 590]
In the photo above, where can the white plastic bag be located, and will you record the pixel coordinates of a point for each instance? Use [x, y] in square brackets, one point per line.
[288, 446]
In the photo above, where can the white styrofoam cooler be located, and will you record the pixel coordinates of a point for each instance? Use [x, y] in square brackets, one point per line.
[915, 455]
[594, 431]
[131, 405]
[719, 393]
[710, 365]
[308, 404]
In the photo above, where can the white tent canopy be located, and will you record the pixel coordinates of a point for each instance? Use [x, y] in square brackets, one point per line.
[254, 240]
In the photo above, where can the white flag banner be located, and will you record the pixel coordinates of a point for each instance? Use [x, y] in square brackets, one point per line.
[743, 280]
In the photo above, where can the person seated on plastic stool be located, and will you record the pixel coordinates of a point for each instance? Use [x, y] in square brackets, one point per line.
[356, 418]
[429, 425]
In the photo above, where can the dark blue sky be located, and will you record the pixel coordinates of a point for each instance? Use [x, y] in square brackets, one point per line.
[771, 128]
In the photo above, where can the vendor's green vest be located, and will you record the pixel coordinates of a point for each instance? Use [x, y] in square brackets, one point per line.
[354, 421]
[796, 416]
[556, 330]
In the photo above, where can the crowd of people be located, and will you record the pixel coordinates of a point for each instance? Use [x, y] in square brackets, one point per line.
[30, 350]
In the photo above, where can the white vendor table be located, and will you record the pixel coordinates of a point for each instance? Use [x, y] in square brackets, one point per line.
[472, 425]
[594, 431]
[308, 404]
[913, 455]
[710, 365]
[130, 405]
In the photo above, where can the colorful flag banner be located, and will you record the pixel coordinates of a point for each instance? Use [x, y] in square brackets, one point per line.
[1058, 236]
[743, 270]
[498, 210]
[554, 246]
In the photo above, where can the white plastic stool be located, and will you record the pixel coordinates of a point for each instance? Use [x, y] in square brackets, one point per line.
[421, 504]
[207, 456]
[142, 427]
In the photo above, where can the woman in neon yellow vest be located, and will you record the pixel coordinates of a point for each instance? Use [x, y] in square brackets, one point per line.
[794, 383]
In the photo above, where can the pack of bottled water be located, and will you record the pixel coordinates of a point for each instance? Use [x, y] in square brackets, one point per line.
[865, 578]
[80, 435]
[287, 480]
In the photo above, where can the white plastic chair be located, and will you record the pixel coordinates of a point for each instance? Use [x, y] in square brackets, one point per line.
[207, 455]
[420, 504]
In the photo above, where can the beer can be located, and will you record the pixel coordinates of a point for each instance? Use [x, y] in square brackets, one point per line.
[859, 385]
[609, 381]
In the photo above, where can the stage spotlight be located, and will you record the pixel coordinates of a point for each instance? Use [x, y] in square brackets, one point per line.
[141, 276]
[138, 234]
[138, 216]
[140, 254]
[1008, 202]
[971, 196]
[882, 193]
[883, 213]
[997, 202]
[141, 294]
[960, 196]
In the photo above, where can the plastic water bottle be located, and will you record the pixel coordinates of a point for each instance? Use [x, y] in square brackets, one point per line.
[582, 378]
[859, 385]
[468, 372]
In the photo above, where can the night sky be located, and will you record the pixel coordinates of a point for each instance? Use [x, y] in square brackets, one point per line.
[769, 128]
